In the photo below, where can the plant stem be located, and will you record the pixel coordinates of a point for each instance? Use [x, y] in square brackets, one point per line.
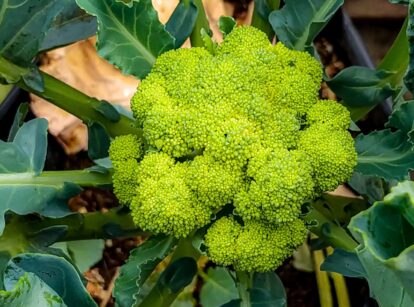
[83, 178]
[262, 22]
[329, 231]
[82, 106]
[244, 284]
[115, 223]
[201, 23]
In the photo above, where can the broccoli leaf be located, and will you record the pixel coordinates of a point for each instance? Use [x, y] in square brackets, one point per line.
[140, 264]
[219, 288]
[345, 263]
[298, 22]
[386, 235]
[402, 118]
[182, 21]
[226, 24]
[55, 272]
[385, 154]
[130, 36]
[267, 290]
[30, 291]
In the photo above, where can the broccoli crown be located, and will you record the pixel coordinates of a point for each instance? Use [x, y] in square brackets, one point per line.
[242, 129]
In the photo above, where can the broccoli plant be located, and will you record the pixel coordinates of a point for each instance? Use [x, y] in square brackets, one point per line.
[229, 156]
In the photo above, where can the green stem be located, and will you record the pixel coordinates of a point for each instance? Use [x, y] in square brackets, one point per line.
[330, 232]
[115, 223]
[244, 284]
[201, 23]
[83, 178]
[262, 22]
[82, 106]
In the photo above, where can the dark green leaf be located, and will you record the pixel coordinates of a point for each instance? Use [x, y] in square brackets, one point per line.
[55, 271]
[371, 188]
[361, 88]
[219, 288]
[385, 154]
[267, 291]
[265, 7]
[108, 111]
[403, 118]
[98, 141]
[409, 76]
[132, 37]
[138, 267]
[18, 120]
[386, 236]
[182, 21]
[344, 263]
[71, 25]
[298, 22]
[26, 23]
[30, 291]
[178, 275]
[400, 1]
[33, 79]
[226, 25]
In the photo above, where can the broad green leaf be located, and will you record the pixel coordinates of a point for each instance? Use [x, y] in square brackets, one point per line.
[171, 282]
[386, 236]
[371, 188]
[260, 17]
[384, 154]
[98, 141]
[138, 268]
[409, 76]
[226, 25]
[84, 253]
[403, 118]
[54, 271]
[18, 120]
[30, 291]
[27, 23]
[200, 24]
[129, 36]
[108, 110]
[219, 288]
[71, 25]
[361, 88]
[182, 21]
[400, 1]
[267, 290]
[344, 263]
[298, 22]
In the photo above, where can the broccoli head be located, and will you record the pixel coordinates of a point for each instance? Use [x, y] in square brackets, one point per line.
[240, 134]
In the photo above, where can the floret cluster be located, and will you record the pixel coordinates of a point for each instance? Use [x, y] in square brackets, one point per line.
[242, 127]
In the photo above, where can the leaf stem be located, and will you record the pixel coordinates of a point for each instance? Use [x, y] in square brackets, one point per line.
[82, 178]
[244, 284]
[201, 23]
[329, 231]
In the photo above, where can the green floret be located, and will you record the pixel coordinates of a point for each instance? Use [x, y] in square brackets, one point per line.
[213, 183]
[163, 202]
[329, 112]
[332, 155]
[280, 183]
[125, 147]
[125, 180]
[254, 247]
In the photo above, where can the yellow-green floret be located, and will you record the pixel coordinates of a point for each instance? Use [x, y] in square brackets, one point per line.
[254, 246]
[240, 134]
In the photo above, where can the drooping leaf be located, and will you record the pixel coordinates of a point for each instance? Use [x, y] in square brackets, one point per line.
[385, 154]
[27, 23]
[298, 22]
[54, 271]
[403, 118]
[209, 44]
[98, 141]
[267, 290]
[71, 25]
[30, 291]
[345, 263]
[226, 25]
[129, 36]
[182, 21]
[84, 253]
[219, 288]
[386, 235]
[361, 87]
[18, 120]
[371, 188]
[138, 267]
